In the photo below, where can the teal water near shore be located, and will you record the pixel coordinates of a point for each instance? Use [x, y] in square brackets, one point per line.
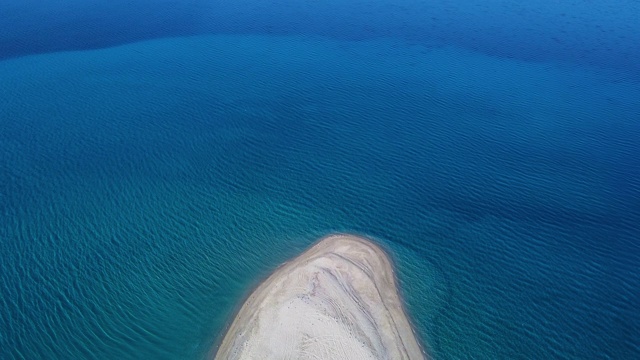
[145, 188]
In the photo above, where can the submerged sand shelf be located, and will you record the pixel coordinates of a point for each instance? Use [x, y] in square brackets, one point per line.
[337, 300]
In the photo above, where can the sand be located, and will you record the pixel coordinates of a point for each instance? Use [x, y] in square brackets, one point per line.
[338, 300]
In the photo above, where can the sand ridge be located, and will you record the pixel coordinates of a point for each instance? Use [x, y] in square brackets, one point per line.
[337, 300]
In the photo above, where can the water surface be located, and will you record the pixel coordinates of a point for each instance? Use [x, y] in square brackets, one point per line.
[146, 187]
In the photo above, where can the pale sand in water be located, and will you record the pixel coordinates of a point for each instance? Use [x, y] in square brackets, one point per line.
[338, 300]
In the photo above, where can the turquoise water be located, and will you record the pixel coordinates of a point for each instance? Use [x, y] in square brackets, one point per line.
[145, 188]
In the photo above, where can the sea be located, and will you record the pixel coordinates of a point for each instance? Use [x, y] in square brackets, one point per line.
[158, 159]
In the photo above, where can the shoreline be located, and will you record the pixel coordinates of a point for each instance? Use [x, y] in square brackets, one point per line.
[338, 299]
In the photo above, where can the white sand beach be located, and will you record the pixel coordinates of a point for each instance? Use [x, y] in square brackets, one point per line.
[337, 300]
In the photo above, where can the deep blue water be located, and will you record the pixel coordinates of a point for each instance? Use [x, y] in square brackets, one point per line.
[158, 160]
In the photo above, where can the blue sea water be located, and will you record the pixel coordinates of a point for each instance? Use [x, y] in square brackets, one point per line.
[158, 160]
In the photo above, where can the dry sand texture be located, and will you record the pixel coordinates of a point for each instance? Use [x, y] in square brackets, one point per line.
[338, 300]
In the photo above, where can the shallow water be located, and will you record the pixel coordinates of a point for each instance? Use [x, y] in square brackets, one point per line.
[145, 188]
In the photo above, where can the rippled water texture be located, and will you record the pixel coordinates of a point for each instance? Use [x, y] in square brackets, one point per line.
[144, 189]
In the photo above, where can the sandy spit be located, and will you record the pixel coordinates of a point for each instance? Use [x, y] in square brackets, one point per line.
[337, 300]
